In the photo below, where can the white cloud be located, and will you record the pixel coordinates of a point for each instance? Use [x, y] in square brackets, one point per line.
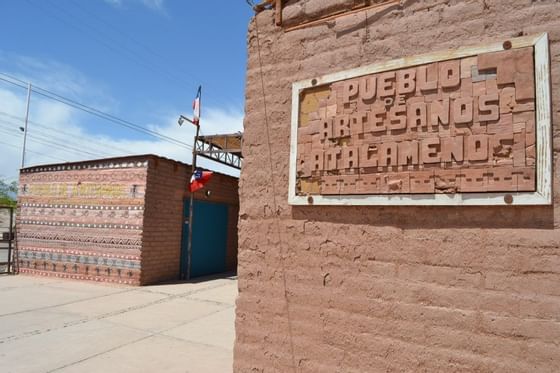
[57, 77]
[154, 4]
[114, 2]
[157, 5]
[56, 131]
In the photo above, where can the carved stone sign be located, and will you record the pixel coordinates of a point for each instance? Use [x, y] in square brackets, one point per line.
[455, 124]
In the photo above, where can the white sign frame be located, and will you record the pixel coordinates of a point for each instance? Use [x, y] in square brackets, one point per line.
[543, 194]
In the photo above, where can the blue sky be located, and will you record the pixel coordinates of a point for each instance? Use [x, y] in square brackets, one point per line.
[140, 60]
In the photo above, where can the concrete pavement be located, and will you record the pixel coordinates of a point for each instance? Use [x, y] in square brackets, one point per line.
[52, 325]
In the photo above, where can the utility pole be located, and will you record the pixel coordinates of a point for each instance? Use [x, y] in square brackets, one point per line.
[25, 124]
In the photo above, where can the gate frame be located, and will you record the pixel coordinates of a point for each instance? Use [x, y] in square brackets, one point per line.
[11, 239]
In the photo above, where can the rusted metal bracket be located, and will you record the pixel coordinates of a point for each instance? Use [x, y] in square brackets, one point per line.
[224, 149]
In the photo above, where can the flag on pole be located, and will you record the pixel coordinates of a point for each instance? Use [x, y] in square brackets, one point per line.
[198, 179]
[196, 107]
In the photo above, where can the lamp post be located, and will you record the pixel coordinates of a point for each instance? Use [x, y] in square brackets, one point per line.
[196, 122]
[191, 209]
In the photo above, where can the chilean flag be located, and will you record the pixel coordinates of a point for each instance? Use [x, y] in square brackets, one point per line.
[198, 179]
[196, 107]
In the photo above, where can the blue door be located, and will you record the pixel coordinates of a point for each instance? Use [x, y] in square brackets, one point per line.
[209, 242]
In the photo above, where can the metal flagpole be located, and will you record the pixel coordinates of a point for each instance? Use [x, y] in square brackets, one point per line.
[191, 194]
[25, 125]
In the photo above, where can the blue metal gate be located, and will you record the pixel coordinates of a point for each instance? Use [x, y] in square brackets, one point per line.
[209, 242]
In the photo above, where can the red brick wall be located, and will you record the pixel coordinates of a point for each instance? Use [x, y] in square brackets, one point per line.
[163, 222]
[375, 289]
[83, 220]
[166, 191]
[224, 189]
[117, 220]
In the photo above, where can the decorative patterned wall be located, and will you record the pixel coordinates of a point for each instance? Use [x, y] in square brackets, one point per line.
[83, 221]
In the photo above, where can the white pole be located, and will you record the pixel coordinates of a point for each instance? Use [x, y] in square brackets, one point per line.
[25, 125]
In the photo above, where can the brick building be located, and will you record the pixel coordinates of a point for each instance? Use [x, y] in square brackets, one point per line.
[358, 288]
[123, 220]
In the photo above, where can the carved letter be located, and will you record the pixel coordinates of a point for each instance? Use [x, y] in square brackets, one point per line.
[388, 154]
[486, 110]
[406, 81]
[417, 115]
[341, 126]
[349, 157]
[427, 77]
[439, 112]
[327, 129]
[450, 74]
[368, 88]
[375, 121]
[317, 158]
[477, 147]
[385, 84]
[429, 150]
[331, 158]
[408, 153]
[397, 118]
[463, 110]
[357, 123]
[368, 156]
[349, 91]
[452, 148]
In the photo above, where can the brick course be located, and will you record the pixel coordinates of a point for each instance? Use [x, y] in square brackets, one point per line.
[371, 289]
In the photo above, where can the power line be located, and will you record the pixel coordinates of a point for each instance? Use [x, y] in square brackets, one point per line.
[109, 117]
[47, 137]
[116, 47]
[66, 146]
[96, 112]
[57, 145]
[157, 64]
[91, 14]
[34, 152]
[11, 82]
[72, 135]
[54, 144]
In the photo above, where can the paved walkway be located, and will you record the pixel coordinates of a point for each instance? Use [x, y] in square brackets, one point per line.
[51, 325]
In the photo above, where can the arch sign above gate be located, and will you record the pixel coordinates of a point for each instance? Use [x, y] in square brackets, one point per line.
[470, 126]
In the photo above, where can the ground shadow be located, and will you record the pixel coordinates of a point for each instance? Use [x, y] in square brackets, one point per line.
[231, 275]
[432, 217]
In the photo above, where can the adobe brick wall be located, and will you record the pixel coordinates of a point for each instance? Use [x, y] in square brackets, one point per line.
[368, 289]
[82, 220]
